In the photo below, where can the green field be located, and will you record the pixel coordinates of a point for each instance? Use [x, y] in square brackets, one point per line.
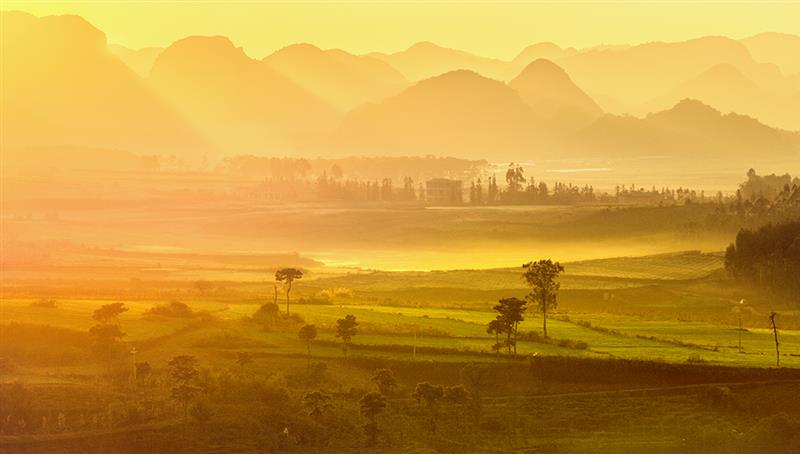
[641, 350]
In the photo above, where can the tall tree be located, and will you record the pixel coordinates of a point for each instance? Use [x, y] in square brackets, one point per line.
[542, 278]
[346, 328]
[510, 312]
[288, 276]
[183, 371]
[371, 404]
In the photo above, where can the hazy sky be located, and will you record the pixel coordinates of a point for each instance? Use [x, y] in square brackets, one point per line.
[499, 29]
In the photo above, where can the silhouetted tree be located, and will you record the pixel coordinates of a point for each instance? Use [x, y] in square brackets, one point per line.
[510, 314]
[430, 395]
[183, 373]
[308, 333]
[288, 276]
[542, 278]
[109, 313]
[371, 404]
[107, 333]
[346, 328]
[496, 327]
[267, 314]
[385, 381]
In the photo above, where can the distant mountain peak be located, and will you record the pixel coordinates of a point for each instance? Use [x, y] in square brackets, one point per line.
[547, 88]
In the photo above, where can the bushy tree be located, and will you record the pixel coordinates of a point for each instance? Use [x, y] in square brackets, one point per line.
[385, 381]
[184, 373]
[109, 313]
[346, 328]
[371, 404]
[428, 393]
[510, 312]
[542, 278]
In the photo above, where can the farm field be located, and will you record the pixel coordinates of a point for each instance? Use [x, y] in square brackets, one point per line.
[623, 357]
[397, 311]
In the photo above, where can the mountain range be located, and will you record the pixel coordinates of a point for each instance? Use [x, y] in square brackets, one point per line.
[64, 85]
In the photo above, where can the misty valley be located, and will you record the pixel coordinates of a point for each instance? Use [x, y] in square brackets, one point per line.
[572, 249]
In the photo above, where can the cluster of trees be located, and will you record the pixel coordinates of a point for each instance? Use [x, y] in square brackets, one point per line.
[542, 278]
[768, 258]
[520, 190]
[383, 190]
[769, 187]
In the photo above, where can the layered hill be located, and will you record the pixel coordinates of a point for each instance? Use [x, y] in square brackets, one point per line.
[633, 75]
[340, 78]
[781, 49]
[688, 131]
[62, 87]
[726, 88]
[425, 59]
[139, 60]
[546, 50]
[242, 103]
[554, 97]
[459, 113]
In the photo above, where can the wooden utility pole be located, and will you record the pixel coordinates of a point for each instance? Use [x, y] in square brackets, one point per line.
[775, 333]
[133, 354]
[741, 304]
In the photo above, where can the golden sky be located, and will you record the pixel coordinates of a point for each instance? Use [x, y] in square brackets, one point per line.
[498, 29]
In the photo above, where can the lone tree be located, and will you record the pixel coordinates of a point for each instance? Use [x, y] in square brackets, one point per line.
[287, 276]
[542, 278]
[346, 328]
[385, 381]
[308, 333]
[775, 334]
[371, 404]
[510, 313]
[183, 372]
